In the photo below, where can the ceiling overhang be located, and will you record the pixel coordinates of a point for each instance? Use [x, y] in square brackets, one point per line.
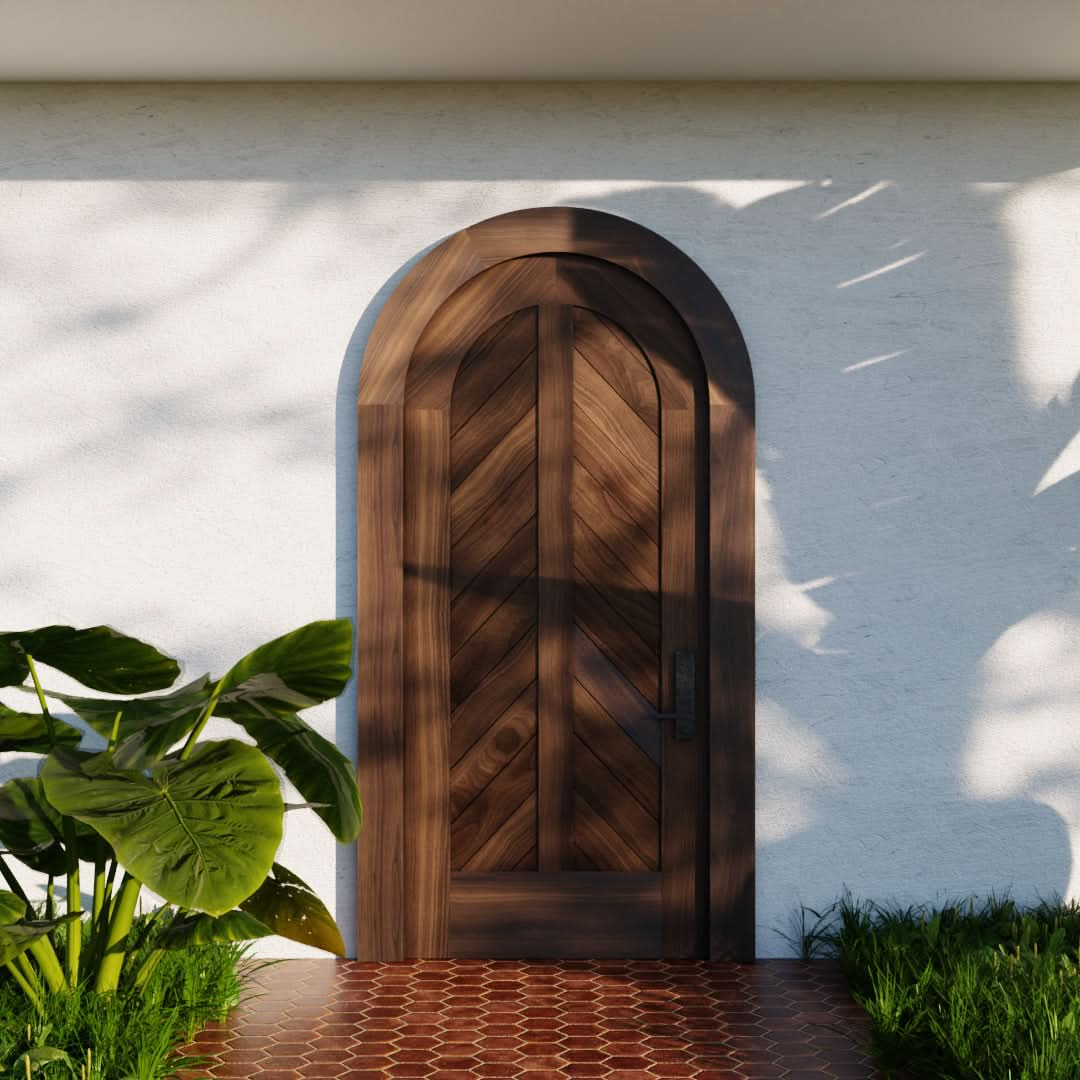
[847, 40]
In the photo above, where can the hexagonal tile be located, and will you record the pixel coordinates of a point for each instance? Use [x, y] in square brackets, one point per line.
[472, 1019]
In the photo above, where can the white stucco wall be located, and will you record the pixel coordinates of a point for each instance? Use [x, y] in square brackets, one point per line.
[189, 275]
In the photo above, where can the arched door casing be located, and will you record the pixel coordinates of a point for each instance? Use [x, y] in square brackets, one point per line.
[555, 530]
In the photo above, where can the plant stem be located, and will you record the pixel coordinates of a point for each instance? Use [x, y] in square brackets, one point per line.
[50, 899]
[115, 733]
[112, 960]
[102, 906]
[30, 978]
[26, 988]
[99, 889]
[147, 968]
[197, 730]
[51, 970]
[22, 962]
[106, 912]
[13, 882]
[147, 928]
[74, 902]
[108, 886]
[49, 725]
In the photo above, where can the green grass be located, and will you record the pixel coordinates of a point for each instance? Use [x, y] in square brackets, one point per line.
[129, 1035]
[967, 991]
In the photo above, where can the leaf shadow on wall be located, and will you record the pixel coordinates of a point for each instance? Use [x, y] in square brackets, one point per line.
[897, 541]
[897, 536]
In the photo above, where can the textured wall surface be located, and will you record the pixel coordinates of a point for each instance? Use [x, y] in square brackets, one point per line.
[189, 275]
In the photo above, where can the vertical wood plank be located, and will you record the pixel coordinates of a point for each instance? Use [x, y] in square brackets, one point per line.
[731, 678]
[680, 605]
[378, 673]
[427, 682]
[555, 566]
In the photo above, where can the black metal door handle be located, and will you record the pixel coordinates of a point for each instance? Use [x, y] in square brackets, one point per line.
[685, 714]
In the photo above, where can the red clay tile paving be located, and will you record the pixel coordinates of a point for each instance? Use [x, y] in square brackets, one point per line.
[471, 1019]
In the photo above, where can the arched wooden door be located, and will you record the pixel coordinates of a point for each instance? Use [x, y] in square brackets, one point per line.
[539, 608]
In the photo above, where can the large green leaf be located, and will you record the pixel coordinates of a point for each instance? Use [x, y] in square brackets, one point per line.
[28, 733]
[290, 673]
[148, 727]
[33, 830]
[13, 667]
[16, 938]
[315, 766]
[263, 692]
[30, 828]
[99, 657]
[289, 908]
[12, 908]
[207, 930]
[202, 833]
[282, 905]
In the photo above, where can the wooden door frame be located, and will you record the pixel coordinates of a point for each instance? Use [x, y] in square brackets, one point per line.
[380, 552]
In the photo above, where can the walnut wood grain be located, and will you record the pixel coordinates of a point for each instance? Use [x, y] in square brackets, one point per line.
[490, 642]
[598, 846]
[647, 296]
[493, 420]
[555, 915]
[604, 238]
[426, 690]
[452, 333]
[617, 528]
[603, 791]
[596, 564]
[493, 751]
[511, 341]
[620, 362]
[503, 685]
[681, 619]
[509, 510]
[555, 562]
[490, 481]
[645, 319]
[636, 441]
[731, 681]
[632, 658]
[490, 588]
[380, 749]
[494, 805]
[635, 715]
[603, 735]
[631, 490]
[510, 844]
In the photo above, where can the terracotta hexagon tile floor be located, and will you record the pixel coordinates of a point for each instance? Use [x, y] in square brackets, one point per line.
[470, 1019]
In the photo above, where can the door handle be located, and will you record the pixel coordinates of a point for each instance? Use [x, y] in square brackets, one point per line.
[685, 714]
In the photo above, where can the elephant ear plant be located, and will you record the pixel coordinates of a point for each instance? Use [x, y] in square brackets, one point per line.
[196, 821]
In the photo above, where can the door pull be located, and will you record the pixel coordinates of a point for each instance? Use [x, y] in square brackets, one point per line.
[685, 714]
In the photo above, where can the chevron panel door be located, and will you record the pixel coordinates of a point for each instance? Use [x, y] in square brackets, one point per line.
[553, 568]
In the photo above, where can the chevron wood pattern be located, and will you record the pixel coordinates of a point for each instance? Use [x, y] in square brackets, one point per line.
[548, 587]
[493, 610]
[616, 498]
[556, 492]
[611, 495]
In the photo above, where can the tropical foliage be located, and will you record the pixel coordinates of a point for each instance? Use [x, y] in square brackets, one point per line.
[196, 821]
